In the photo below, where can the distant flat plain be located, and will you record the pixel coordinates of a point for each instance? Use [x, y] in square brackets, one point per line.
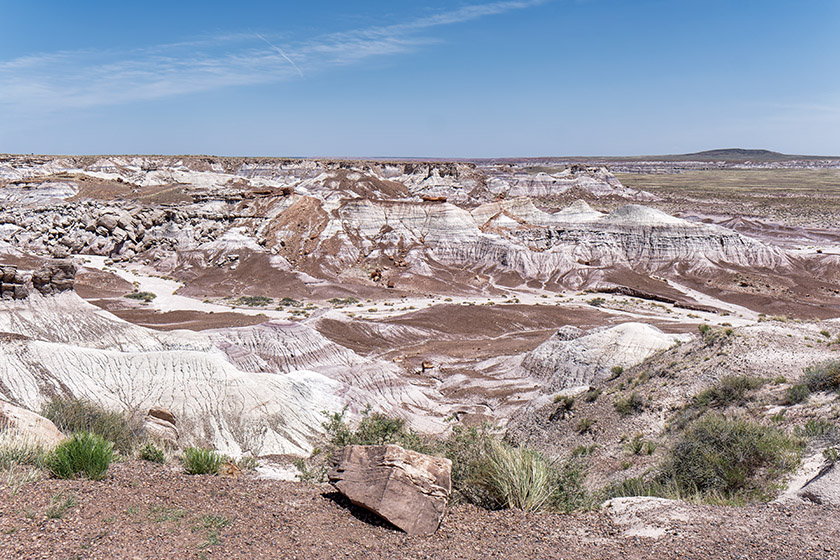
[803, 197]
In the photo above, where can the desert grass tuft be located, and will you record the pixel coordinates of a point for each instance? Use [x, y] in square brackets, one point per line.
[201, 461]
[83, 454]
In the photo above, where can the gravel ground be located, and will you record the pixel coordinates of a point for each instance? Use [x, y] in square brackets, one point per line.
[143, 510]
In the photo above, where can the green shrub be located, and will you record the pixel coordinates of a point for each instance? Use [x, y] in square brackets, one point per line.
[253, 301]
[341, 302]
[564, 407]
[597, 302]
[727, 457]
[142, 296]
[704, 329]
[824, 376]
[615, 371]
[796, 394]
[76, 415]
[84, 453]
[150, 452]
[374, 429]
[201, 461]
[632, 404]
[731, 390]
[640, 446]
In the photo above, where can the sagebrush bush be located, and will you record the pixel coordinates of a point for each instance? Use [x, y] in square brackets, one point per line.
[824, 376]
[201, 461]
[730, 390]
[632, 404]
[796, 394]
[83, 454]
[729, 457]
[76, 415]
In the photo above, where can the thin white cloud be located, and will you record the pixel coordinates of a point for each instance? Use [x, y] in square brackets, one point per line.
[86, 78]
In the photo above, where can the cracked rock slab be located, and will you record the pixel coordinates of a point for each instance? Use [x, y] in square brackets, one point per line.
[406, 488]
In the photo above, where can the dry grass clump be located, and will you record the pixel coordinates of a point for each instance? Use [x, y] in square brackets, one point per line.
[71, 415]
[20, 448]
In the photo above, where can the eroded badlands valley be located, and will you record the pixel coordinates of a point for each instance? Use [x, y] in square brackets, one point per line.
[249, 297]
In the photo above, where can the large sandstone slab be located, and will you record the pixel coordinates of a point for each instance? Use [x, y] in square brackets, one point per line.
[407, 488]
[29, 424]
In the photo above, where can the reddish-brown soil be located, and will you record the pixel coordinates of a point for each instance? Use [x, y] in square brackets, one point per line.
[91, 283]
[190, 320]
[147, 511]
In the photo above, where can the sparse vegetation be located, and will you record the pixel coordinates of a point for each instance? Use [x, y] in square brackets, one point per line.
[592, 394]
[485, 470]
[20, 448]
[632, 404]
[150, 452]
[824, 376]
[341, 302]
[61, 503]
[565, 404]
[640, 446]
[254, 301]
[796, 394]
[584, 426]
[142, 296]
[201, 461]
[76, 415]
[818, 428]
[597, 302]
[730, 390]
[83, 454]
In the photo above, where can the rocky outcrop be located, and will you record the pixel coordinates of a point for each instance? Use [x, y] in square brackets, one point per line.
[161, 425]
[53, 277]
[406, 488]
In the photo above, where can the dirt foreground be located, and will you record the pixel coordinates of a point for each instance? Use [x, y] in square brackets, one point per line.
[147, 511]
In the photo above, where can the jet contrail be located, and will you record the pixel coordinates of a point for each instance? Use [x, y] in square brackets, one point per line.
[279, 50]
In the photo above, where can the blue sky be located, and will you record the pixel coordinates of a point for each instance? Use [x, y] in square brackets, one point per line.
[420, 78]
